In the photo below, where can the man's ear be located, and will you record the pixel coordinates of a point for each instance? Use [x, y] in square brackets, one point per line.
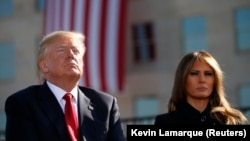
[43, 66]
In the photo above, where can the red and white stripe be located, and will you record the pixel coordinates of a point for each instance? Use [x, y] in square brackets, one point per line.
[103, 23]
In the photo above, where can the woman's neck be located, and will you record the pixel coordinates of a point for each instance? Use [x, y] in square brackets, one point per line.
[198, 104]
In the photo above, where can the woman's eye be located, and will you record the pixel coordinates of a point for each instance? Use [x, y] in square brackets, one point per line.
[193, 73]
[208, 73]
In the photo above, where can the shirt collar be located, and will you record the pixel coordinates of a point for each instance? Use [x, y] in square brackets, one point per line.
[59, 93]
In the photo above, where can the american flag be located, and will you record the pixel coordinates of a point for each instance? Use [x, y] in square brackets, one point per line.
[103, 24]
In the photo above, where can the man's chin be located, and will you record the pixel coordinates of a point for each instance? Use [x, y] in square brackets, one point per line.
[74, 73]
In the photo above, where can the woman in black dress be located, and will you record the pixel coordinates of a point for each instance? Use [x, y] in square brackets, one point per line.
[198, 95]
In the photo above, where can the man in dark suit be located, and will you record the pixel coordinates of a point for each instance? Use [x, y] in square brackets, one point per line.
[37, 113]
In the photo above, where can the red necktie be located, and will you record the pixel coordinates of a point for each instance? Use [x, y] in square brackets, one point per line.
[70, 117]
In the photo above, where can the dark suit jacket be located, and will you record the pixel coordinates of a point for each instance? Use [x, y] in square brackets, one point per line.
[34, 114]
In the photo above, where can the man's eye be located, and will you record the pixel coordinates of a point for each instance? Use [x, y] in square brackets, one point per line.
[60, 50]
[76, 51]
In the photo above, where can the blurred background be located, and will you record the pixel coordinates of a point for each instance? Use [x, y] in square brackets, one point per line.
[153, 37]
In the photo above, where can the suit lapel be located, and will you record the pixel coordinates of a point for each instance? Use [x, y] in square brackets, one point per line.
[84, 106]
[92, 125]
[52, 109]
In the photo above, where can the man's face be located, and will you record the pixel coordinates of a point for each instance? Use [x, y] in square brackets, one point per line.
[64, 58]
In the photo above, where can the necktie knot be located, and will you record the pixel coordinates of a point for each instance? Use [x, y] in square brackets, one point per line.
[68, 96]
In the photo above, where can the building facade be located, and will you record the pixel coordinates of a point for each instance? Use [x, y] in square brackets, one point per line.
[158, 34]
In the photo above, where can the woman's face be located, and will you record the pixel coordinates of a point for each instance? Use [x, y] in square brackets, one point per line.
[200, 81]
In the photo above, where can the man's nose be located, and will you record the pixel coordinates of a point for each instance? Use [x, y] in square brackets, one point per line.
[70, 53]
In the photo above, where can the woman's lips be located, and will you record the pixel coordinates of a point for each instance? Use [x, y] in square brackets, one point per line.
[202, 88]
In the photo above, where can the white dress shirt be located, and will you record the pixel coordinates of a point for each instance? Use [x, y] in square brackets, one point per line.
[59, 93]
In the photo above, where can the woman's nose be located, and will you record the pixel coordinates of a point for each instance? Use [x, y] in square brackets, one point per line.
[201, 78]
